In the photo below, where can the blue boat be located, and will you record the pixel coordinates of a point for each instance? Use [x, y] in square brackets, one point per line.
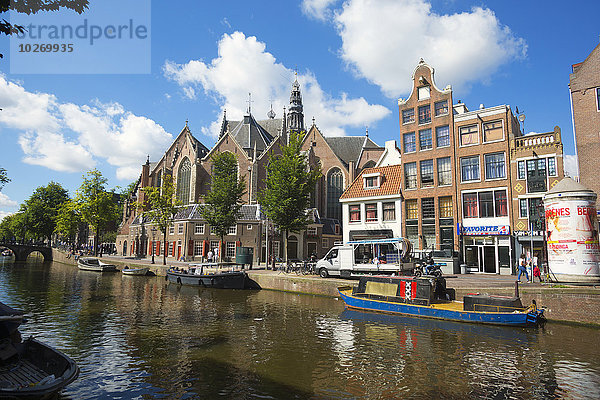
[428, 297]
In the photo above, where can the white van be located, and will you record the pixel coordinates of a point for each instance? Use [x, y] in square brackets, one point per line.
[359, 257]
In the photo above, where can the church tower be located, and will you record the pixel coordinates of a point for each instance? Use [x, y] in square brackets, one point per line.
[295, 115]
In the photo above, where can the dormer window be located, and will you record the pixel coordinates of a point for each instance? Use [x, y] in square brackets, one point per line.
[372, 181]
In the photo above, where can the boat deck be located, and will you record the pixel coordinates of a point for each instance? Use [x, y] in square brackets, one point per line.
[20, 374]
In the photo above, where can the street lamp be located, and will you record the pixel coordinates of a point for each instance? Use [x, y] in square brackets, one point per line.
[153, 230]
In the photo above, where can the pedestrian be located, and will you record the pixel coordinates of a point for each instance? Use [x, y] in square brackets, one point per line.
[536, 274]
[523, 270]
[209, 256]
[216, 254]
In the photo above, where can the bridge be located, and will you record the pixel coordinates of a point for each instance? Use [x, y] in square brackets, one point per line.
[22, 251]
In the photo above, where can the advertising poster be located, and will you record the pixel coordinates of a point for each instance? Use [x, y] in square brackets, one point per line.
[572, 227]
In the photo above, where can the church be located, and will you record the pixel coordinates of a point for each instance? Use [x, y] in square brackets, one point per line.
[253, 142]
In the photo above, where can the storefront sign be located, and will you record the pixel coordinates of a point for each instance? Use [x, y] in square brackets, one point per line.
[486, 230]
[528, 233]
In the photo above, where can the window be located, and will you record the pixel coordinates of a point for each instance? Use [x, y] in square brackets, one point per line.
[441, 108]
[389, 211]
[469, 169]
[522, 208]
[428, 236]
[249, 227]
[521, 170]
[335, 181]
[171, 230]
[412, 209]
[371, 182]
[424, 92]
[428, 208]
[412, 234]
[426, 173]
[213, 230]
[198, 247]
[276, 252]
[468, 135]
[324, 243]
[536, 175]
[425, 114]
[214, 244]
[232, 230]
[170, 249]
[199, 229]
[311, 231]
[425, 139]
[470, 205]
[442, 136]
[598, 99]
[494, 166]
[410, 175]
[493, 131]
[371, 212]
[446, 209]
[230, 249]
[183, 181]
[552, 166]
[486, 204]
[410, 143]
[408, 116]
[354, 213]
[500, 203]
[180, 228]
[444, 169]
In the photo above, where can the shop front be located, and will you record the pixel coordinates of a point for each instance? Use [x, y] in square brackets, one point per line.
[486, 248]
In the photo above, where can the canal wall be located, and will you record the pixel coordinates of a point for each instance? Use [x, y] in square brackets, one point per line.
[563, 304]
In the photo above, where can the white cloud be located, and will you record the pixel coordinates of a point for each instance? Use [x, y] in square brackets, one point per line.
[4, 214]
[318, 9]
[73, 138]
[228, 81]
[5, 201]
[383, 40]
[570, 165]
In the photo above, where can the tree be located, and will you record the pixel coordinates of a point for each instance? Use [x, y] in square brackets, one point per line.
[288, 186]
[13, 227]
[96, 206]
[161, 207]
[33, 6]
[41, 209]
[224, 199]
[67, 220]
[4, 179]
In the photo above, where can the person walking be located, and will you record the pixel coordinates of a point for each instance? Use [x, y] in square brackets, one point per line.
[209, 256]
[523, 270]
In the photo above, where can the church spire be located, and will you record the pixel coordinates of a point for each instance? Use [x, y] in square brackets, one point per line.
[295, 116]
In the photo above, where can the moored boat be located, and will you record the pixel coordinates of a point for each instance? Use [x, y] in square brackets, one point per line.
[93, 264]
[221, 276]
[6, 253]
[29, 369]
[428, 297]
[135, 271]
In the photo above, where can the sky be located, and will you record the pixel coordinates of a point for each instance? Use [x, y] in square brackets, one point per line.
[118, 101]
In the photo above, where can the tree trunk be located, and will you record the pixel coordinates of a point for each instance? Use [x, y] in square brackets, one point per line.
[221, 245]
[165, 247]
[285, 246]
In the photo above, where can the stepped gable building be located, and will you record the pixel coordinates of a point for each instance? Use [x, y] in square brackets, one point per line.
[584, 85]
[472, 181]
[252, 141]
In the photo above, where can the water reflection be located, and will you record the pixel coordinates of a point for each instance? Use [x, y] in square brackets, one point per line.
[139, 337]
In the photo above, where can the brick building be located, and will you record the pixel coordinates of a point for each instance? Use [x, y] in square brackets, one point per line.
[584, 85]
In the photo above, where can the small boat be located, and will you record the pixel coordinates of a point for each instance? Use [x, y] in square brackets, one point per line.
[6, 253]
[198, 275]
[29, 369]
[428, 297]
[93, 264]
[135, 271]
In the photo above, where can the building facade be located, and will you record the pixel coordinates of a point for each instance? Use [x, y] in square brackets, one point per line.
[584, 85]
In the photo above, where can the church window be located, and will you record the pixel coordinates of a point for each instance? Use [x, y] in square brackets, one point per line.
[183, 181]
[335, 182]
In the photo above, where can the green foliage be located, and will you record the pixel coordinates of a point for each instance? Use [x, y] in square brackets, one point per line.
[67, 220]
[288, 186]
[4, 179]
[161, 206]
[95, 204]
[224, 199]
[41, 209]
[14, 227]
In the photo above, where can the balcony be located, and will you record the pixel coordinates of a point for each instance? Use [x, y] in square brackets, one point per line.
[537, 141]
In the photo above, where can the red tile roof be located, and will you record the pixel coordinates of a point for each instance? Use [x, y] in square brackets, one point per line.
[391, 183]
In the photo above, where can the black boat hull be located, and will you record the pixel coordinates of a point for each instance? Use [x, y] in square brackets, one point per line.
[221, 280]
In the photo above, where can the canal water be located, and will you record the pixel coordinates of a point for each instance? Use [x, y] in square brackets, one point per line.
[140, 338]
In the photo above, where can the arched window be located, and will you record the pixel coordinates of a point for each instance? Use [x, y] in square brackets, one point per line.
[369, 164]
[158, 179]
[184, 175]
[335, 187]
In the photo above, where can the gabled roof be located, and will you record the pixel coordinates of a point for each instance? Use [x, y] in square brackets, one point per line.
[249, 133]
[248, 212]
[348, 148]
[391, 183]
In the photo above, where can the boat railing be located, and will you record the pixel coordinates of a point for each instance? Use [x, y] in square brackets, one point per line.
[498, 309]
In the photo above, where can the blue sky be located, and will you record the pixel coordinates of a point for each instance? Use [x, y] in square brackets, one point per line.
[354, 59]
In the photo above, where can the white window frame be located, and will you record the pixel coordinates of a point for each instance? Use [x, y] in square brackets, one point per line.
[478, 166]
[248, 227]
[230, 249]
[198, 247]
[199, 229]
[232, 230]
[376, 175]
[276, 248]
[180, 229]
[485, 166]
[311, 231]
[171, 230]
